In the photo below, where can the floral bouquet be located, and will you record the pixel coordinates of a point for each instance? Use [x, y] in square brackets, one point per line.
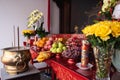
[103, 33]
[34, 17]
[36, 20]
[107, 7]
[28, 33]
[104, 37]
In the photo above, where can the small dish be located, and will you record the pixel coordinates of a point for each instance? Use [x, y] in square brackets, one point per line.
[84, 68]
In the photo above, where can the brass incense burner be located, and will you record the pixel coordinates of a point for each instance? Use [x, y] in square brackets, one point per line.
[16, 59]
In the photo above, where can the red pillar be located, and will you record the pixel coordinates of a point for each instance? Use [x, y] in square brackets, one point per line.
[48, 16]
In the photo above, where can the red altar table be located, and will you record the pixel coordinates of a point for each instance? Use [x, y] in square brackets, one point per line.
[65, 71]
[62, 70]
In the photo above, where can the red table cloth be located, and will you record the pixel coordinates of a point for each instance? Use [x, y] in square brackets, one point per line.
[65, 71]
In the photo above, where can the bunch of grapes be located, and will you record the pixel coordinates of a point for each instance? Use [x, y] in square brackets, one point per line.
[73, 45]
[73, 41]
[72, 52]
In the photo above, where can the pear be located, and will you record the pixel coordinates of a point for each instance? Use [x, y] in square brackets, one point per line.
[59, 50]
[60, 45]
[64, 48]
[54, 45]
[54, 50]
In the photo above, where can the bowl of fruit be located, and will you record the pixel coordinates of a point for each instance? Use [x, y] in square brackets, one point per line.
[73, 51]
[58, 47]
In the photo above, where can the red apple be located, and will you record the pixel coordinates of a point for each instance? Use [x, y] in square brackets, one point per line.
[49, 42]
[49, 46]
[45, 47]
[51, 39]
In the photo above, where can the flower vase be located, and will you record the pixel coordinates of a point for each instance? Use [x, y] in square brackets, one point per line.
[103, 61]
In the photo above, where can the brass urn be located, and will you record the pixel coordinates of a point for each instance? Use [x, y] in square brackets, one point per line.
[16, 59]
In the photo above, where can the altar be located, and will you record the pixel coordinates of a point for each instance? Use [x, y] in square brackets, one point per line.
[63, 70]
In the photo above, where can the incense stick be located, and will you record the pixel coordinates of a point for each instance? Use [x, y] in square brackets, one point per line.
[18, 36]
[14, 36]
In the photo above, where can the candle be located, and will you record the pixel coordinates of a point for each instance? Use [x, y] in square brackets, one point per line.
[18, 36]
[85, 53]
[14, 36]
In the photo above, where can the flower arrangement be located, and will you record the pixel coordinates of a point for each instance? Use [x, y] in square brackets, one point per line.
[36, 20]
[28, 33]
[103, 33]
[34, 16]
[107, 7]
[104, 37]
[108, 4]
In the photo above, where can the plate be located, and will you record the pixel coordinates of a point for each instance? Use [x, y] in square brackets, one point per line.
[84, 68]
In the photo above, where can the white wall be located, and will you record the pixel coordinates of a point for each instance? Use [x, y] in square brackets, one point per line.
[54, 11]
[15, 13]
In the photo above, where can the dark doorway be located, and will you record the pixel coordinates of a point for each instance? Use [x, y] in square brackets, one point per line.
[76, 12]
[83, 12]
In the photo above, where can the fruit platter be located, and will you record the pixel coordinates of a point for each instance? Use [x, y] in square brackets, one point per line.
[58, 46]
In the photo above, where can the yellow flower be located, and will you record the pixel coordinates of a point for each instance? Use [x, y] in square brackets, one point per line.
[103, 31]
[89, 30]
[28, 33]
[105, 38]
[115, 29]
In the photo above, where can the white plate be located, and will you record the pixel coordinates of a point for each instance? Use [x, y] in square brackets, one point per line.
[84, 68]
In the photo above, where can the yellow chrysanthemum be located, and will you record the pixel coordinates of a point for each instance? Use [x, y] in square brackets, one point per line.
[28, 32]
